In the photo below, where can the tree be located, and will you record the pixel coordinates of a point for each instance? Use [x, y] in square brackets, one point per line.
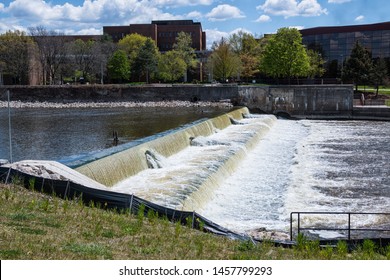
[146, 63]
[118, 66]
[223, 62]
[358, 66]
[379, 74]
[285, 56]
[184, 50]
[105, 49]
[132, 44]
[16, 54]
[249, 50]
[52, 52]
[316, 64]
[85, 57]
[171, 66]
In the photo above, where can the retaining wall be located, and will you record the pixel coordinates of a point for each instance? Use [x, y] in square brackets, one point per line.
[301, 101]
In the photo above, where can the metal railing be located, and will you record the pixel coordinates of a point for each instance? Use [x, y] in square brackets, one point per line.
[349, 228]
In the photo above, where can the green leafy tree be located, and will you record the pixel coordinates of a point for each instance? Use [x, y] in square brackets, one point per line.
[358, 66]
[183, 48]
[285, 56]
[131, 45]
[146, 63]
[223, 62]
[118, 66]
[316, 64]
[171, 66]
[16, 53]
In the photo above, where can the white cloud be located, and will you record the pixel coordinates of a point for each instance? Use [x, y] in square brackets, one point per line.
[359, 18]
[176, 3]
[214, 35]
[89, 14]
[338, 1]
[194, 15]
[292, 8]
[263, 18]
[299, 27]
[224, 12]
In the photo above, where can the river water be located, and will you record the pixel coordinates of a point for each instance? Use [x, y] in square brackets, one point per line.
[57, 133]
[307, 165]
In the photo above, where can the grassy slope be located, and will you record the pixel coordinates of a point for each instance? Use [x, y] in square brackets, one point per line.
[38, 226]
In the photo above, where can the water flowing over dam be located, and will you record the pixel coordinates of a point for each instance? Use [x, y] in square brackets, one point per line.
[180, 170]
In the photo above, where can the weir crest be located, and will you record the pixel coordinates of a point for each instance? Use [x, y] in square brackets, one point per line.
[181, 170]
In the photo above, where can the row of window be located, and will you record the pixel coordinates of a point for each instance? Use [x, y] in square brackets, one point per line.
[338, 46]
[173, 34]
[380, 34]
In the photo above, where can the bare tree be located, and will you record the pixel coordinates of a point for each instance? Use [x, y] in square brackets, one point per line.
[52, 52]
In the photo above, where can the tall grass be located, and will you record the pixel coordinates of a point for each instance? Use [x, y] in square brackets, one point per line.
[37, 226]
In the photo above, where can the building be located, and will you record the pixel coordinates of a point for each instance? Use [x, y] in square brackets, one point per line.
[335, 43]
[163, 32]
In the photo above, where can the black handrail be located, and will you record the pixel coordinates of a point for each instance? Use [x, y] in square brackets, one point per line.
[349, 228]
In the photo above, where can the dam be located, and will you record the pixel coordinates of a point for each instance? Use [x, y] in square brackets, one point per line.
[181, 169]
[240, 170]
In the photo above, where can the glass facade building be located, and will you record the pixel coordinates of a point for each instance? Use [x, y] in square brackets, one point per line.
[336, 43]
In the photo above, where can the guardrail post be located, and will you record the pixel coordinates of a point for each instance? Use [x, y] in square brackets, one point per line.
[299, 221]
[131, 203]
[291, 231]
[349, 226]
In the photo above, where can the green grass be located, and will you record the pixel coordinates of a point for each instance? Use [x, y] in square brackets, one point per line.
[37, 226]
[382, 89]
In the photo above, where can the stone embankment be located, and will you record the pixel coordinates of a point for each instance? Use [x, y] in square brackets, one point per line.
[164, 104]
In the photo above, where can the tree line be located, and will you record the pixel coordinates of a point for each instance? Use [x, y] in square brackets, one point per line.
[54, 59]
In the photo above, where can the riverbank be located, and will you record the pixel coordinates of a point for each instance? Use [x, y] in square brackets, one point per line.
[36, 226]
[92, 104]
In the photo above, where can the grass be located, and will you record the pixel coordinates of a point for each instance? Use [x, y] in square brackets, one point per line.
[37, 226]
[382, 89]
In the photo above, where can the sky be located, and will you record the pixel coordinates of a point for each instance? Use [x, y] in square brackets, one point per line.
[218, 18]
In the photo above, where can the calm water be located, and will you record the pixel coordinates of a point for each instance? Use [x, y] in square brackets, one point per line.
[52, 134]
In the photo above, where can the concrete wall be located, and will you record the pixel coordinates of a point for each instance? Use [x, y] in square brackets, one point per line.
[299, 101]
[295, 101]
[118, 93]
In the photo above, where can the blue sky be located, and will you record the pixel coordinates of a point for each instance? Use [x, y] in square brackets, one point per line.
[218, 18]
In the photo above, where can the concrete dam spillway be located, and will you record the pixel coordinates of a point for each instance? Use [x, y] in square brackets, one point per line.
[180, 170]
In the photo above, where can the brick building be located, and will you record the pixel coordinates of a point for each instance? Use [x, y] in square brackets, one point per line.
[163, 32]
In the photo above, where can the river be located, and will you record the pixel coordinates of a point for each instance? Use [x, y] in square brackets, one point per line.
[304, 165]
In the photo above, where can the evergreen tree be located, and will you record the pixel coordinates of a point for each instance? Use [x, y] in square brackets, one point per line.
[379, 74]
[146, 63]
[358, 66]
